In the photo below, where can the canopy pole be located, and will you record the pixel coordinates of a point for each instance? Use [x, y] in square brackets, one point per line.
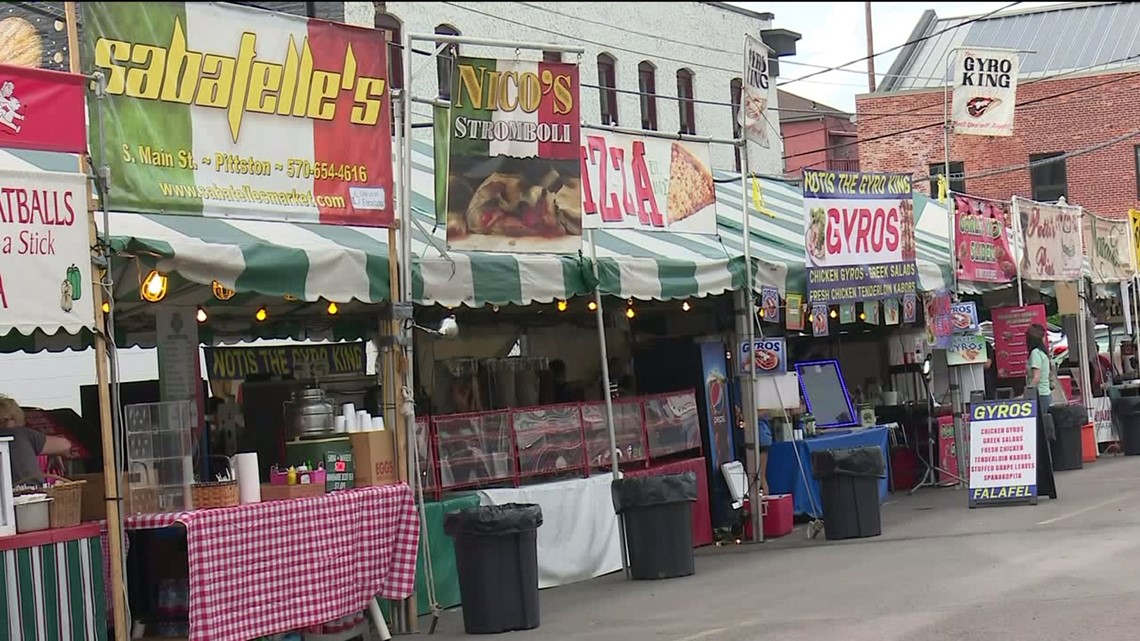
[748, 389]
[601, 321]
[952, 373]
[111, 468]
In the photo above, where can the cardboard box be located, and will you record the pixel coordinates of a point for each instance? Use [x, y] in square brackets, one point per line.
[375, 458]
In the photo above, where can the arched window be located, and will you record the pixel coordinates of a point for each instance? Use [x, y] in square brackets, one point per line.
[607, 88]
[647, 86]
[686, 108]
[392, 30]
[735, 88]
[445, 62]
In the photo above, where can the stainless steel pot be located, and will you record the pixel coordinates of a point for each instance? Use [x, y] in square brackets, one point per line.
[309, 413]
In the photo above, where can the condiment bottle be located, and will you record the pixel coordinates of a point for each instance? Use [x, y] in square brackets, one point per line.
[292, 475]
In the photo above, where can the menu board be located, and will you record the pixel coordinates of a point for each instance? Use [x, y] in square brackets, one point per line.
[1010, 324]
[1003, 452]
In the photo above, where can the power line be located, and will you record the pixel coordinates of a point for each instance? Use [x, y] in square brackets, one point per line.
[905, 44]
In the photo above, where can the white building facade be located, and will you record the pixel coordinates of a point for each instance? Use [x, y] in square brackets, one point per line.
[665, 47]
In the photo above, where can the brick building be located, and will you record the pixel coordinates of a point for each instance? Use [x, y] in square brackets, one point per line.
[816, 136]
[1077, 90]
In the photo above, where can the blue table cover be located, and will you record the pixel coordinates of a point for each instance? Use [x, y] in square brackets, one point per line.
[785, 477]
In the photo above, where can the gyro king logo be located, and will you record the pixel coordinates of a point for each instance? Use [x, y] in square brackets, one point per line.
[292, 87]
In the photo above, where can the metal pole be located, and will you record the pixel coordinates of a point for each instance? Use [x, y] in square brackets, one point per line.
[870, 49]
[491, 42]
[642, 133]
[955, 383]
[601, 321]
[748, 390]
[1019, 246]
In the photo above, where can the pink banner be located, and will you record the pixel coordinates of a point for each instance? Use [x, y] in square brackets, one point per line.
[983, 236]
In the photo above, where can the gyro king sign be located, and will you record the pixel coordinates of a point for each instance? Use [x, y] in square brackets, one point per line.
[223, 110]
[985, 92]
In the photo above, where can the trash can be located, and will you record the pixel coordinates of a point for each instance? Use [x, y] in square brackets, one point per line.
[496, 555]
[1067, 448]
[1126, 413]
[658, 523]
[849, 489]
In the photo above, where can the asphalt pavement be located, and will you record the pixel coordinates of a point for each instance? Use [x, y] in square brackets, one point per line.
[1063, 569]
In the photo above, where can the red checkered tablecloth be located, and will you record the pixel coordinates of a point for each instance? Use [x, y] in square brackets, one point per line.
[264, 568]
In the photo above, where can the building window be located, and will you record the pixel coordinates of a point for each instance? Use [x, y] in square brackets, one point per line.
[445, 62]
[734, 91]
[389, 25]
[1048, 180]
[957, 177]
[552, 56]
[647, 86]
[607, 89]
[685, 106]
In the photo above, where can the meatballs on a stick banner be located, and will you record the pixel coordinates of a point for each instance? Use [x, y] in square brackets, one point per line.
[224, 110]
[514, 175]
[45, 253]
[985, 92]
[860, 236]
[983, 240]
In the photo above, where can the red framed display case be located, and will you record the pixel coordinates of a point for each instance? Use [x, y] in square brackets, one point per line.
[524, 444]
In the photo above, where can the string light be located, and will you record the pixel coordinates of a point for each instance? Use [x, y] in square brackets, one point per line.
[221, 292]
[862, 316]
[495, 308]
[202, 315]
[629, 313]
[592, 306]
[261, 314]
[106, 307]
[562, 305]
[685, 306]
[834, 314]
[154, 287]
[333, 309]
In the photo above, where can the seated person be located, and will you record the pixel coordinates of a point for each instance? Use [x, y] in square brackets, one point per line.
[28, 444]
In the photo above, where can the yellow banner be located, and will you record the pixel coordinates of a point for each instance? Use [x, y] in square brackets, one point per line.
[1134, 217]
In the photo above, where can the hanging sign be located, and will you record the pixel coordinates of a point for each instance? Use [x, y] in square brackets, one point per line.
[651, 184]
[45, 274]
[819, 322]
[966, 350]
[985, 92]
[983, 238]
[939, 319]
[299, 361]
[965, 317]
[1009, 326]
[1053, 248]
[910, 308]
[757, 81]
[770, 304]
[1003, 452]
[42, 110]
[860, 236]
[514, 174]
[217, 109]
[770, 353]
[1109, 246]
[795, 312]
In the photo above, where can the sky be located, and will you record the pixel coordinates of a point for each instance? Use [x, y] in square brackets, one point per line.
[833, 33]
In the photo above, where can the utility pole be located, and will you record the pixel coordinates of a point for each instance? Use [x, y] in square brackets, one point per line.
[870, 49]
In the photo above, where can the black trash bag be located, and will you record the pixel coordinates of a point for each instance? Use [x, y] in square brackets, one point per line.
[865, 462]
[646, 491]
[489, 520]
[1069, 417]
[1126, 409]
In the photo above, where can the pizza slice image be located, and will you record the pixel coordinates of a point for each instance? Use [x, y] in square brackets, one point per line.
[691, 187]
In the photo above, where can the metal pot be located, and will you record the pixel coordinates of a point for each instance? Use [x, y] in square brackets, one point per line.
[309, 413]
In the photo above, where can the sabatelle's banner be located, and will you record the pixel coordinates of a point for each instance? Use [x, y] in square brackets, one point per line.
[45, 276]
[223, 110]
[984, 240]
[514, 178]
[651, 184]
[1108, 244]
[1053, 243]
[859, 236]
[985, 92]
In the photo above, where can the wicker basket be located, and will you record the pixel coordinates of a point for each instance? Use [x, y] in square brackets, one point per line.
[211, 495]
[66, 508]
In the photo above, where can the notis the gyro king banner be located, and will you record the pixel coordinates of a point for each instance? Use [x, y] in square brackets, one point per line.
[514, 177]
[222, 110]
[983, 240]
[859, 242]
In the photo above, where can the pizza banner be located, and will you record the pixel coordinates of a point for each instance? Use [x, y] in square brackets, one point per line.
[651, 184]
[217, 109]
[1053, 243]
[1108, 244]
[42, 110]
[859, 236]
[983, 240]
[514, 176]
[985, 92]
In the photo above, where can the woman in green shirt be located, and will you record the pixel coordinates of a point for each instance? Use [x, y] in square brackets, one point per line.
[1037, 386]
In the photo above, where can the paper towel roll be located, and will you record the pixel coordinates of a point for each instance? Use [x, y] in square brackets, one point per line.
[248, 477]
[363, 421]
[378, 423]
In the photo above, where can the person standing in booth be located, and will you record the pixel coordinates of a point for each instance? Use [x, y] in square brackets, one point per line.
[27, 444]
[1038, 377]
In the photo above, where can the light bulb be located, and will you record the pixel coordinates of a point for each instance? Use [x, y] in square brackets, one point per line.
[154, 287]
[333, 309]
[761, 312]
[592, 306]
[562, 305]
[834, 313]
[494, 308]
[862, 316]
[685, 306]
[106, 307]
[629, 313]
[202, 315]
[261, 314]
